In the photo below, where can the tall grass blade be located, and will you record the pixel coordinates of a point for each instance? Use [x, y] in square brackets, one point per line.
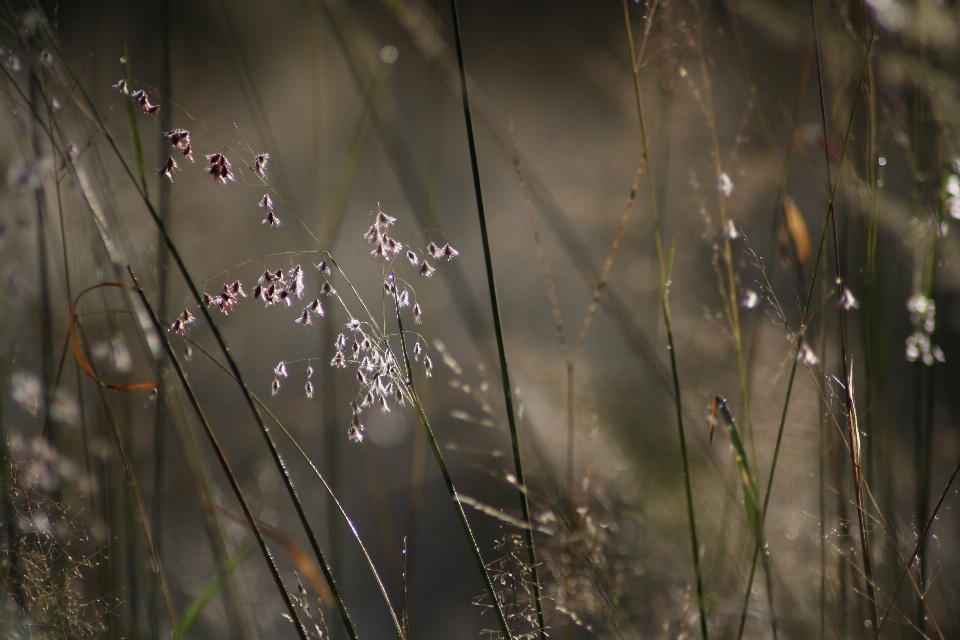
[854, 434]
[468, 532]
[195, 609]
[221, 457]
[751, 495]
[665, 271]
[498, 330]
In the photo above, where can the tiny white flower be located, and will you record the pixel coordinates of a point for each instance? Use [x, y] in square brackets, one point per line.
[807, 356]
[725, 185]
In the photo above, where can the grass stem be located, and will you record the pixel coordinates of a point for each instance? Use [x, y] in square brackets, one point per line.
[498, 331]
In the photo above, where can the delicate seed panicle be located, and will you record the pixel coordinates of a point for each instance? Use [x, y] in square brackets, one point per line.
[141, 99]
[178, 326]
[327, 290]
[304, 318]
[338, 361]
[267, 276]
[207, 300]
[309, 371]
[412, 257]
[179, 138]
[417, 351]
[355, 433]
[258, 291]
[449, 252]
[434, 251]
[379, 251]
[384, 407]
[356, 348]
[404, 299]
[323, 268]
[122, 87]
[275, 387]
[168, 168]
[266, 202]
[285, 296]
[281, 370]
[399, 397]
[428, 365]
[392, 245]
[365, 345]
[384, 219]
[340, 343]
[417, 314]
[260, 164]
[269, 296]
[272, 219]
[219, 167]
[308, 387]
[367, 400]
[353, 325]
[296, 287]
[372, 235]
[316, 307]
[237, 289]
[426, 270]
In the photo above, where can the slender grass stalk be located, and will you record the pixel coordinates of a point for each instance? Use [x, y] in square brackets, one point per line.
[468, 532]
[665, 301]
[132, 120]
[159, 417]
[751, 496]
[323, 481]
[854, 436]
[131, 481]
[195, 609]
[805, 316]
[221, 457]
[501, 350]
[275, 454]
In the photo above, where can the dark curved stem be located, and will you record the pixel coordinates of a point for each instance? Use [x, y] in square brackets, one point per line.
[497, 326]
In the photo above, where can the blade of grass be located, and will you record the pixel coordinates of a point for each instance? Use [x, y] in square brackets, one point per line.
[316, 471]
[174, 252]
[501, 350]
[800, 337]
[221, 457]
[751, 497]
[132, 120]
[195, 609]
[665, 271]
[848, 396]
[464, 523]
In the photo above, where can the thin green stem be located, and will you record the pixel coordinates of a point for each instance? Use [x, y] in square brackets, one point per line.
[664, 295]
[800, 336]
[848, 380]
[501, 350]
[468, 532]
[221, 457]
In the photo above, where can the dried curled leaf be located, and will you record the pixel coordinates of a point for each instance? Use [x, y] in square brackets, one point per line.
[794, 237]
[81, 357]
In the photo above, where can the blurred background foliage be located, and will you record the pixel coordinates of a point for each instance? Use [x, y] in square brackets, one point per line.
[359, 106]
